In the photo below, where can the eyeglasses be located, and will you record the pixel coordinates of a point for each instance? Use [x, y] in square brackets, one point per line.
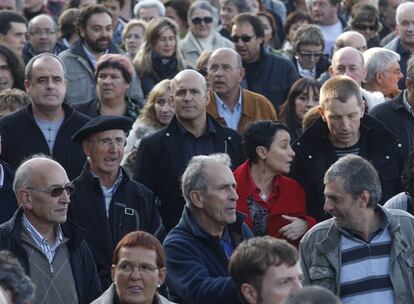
[198, 20]
[39, 32]
[243, 38]
[364, 27]
[128, 268]
[107, 142]
[311, 54]
[56, 191]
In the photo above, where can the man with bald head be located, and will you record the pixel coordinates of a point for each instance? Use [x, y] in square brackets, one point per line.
[162, 157]
[47, 123]
[351, 38]
[42, 37]
[51, 249]
[229, 104]
[350, 62]
[403, 44]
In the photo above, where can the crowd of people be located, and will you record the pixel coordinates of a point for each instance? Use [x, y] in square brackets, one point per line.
[206, 151]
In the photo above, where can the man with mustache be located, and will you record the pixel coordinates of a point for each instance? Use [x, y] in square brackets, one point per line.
[51, 249]
[94, 27]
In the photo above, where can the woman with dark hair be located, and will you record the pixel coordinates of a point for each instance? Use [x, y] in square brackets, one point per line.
[302, 96]
[138, 269]
[11, 70]
[177, 11]
[365, 19]
[274, 204]
[159, 57]
[293, 22]
[67, 28]
[113, 76]
[405, 200]
[271, 39]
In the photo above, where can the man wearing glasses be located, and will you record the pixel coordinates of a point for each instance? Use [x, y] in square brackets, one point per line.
[51, 249]
[41, 37]
[266, 74]
[107, 203]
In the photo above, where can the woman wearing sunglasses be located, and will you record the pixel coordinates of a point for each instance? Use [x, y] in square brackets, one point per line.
[365, 19]
[202, 19]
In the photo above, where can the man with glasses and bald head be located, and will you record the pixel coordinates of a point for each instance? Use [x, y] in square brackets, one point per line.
[115, 204]
[51, 249]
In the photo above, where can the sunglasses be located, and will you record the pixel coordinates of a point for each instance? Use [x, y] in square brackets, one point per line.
[198, 20]
[57, 191]
[364, 27]
[243, 38]
[311, 54]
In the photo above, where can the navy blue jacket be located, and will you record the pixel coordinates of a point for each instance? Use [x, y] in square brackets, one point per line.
[273, 78]
[160, 163]
[83, 266]
[197, 263]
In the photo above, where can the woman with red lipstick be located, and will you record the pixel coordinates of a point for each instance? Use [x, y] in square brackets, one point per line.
[159, 57]
[274, 204]
[138, 269]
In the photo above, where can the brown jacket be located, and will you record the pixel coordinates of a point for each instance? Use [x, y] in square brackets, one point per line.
[254, 107]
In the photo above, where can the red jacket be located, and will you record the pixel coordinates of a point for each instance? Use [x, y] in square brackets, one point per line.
[288, 199]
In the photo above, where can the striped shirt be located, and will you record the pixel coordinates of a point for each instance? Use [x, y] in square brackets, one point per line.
[364, 274]
[48, 249]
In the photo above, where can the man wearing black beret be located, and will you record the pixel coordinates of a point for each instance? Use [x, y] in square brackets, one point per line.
[107, 203]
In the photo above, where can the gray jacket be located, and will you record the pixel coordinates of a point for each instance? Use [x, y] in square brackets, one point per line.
[320, 255]
[108, 297]
[81, 77]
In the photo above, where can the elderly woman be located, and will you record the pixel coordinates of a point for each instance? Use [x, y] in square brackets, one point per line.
[302, 96]
[113, 76]
[228, 10]
[365, 19]
[308, 44]
[133, 36]
[274, 204]
[202, 18]
[11, 70]
[156, 114]
[138, 269]
[159, 57]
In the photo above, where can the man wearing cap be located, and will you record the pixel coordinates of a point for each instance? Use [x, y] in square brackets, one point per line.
[107, 203]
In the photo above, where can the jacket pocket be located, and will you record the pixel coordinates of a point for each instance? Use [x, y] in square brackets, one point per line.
[323, 276]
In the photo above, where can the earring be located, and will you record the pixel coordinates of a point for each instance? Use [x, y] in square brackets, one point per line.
[159, 285]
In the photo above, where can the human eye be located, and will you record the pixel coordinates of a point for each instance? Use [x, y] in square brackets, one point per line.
[227, 67]
[125, 267]
[57, 79]
[105, 141]
[42, 79]
[179, 92]
[213, 67]
[96, 29]
[194, 91]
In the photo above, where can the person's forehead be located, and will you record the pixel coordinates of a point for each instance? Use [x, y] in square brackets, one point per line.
[223, 57]
[167, 32]
[109, 133]
[151, 10]
[47, 66]
[138, 254]
[337, 107]
[42, 21]
[348, 58]
[283, 271]
[189, 81]
[198, 12]
[324, 2]
[102, 19]
[17, 27]
[407, 14]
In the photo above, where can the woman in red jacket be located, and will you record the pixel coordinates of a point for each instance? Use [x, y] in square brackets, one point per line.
[274, 204]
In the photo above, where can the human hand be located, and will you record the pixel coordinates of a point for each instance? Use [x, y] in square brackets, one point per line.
[295, 229]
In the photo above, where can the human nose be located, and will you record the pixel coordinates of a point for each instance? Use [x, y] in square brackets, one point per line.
[327, 206]
[292, 152]
[297, 284]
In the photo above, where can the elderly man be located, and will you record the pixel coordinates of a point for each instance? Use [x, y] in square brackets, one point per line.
[162, 157]
[266, 74]
[351, 38]
[51, 250]
[383, 71]
[403, 44]
[42, 37]
[149, 9]
[397, 114]
[13, 28]
[363, 253]
[350, 62]
[115, 204]
[199, 247]
[94, 27]
[276, 272]
[47, 124]
[344, 129]
[229, 104]
[325, 14]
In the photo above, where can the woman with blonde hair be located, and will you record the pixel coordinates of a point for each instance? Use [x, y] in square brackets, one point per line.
[156, 114]
[133, 36]
[159, 57]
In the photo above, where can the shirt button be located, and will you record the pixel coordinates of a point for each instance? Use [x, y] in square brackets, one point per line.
[167, 134]
[387, 157]
[310, 156]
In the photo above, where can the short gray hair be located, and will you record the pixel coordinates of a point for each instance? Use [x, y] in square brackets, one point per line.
[359, 175]
[378, 59]
[194, 177]
[149, 4]
[23, 175]
[29, 66]
[402, 7]
[203, 5]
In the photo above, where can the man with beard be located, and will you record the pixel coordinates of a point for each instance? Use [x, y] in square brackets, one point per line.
[94, 27]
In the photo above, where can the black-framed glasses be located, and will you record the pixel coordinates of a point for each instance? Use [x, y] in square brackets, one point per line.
[311, 54]
[56, 191]
[364, 27]
[243, 38]
[198, 20]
